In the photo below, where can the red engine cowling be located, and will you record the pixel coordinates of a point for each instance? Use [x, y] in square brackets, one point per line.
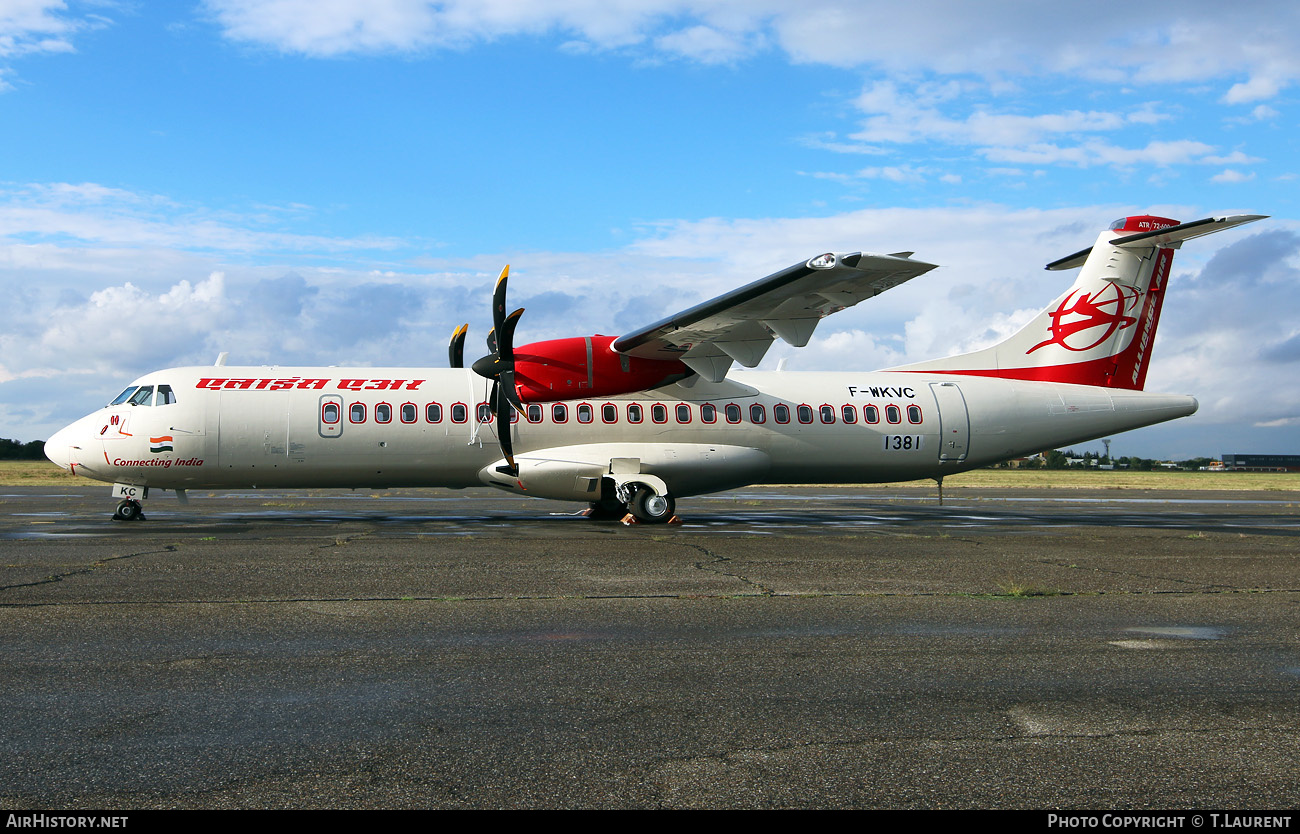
[566, 369]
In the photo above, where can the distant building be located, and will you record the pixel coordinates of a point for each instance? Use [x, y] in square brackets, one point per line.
[1262, 463]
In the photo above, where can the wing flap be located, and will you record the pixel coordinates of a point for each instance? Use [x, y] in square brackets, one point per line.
[741, 325]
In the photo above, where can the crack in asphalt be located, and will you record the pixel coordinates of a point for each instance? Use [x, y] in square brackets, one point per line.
[94, 566]
[717, 560]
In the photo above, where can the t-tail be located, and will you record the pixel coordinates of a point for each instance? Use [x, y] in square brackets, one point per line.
[1100, 331]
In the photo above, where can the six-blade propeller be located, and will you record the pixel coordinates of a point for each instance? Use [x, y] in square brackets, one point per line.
[498, 366]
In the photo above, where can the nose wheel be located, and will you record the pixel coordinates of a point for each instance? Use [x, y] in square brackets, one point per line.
[129, 510]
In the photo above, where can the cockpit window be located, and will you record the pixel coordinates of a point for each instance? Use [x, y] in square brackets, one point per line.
[165, 395]
[122, 397]
[142, 396]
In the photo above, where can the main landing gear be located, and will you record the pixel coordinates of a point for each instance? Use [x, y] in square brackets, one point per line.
[650, 507]
[129, 510]
[634, 504]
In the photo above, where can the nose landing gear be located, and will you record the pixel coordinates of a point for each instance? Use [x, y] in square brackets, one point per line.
[129, 510]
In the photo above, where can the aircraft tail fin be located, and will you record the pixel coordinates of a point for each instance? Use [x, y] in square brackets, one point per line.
[1099, 331]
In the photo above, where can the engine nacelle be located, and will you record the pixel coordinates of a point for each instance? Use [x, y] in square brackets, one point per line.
[586, 366]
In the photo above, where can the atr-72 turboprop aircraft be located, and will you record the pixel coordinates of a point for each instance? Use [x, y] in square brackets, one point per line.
[630, 424]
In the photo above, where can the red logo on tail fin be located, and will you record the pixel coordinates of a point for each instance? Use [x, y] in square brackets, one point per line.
[1073, 325]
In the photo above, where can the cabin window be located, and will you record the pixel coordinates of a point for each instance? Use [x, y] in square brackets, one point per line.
[757, 414]
[892, 414]
[709, 413]
[609, 413]
[560, 413]
[383, 413]
[433, 412]
[659, 413]
[871, 414]
[683, 413]
[409, 413]
[124, 396]
[142, 396]
[514, 416]
[827, 413]
[357, 412]
[805, 413]
[849, 413]
[914, 414]
[484, 413]
[633, 413]
[329, 413]
[733, 413]
[584, 413]
[781, 413]
[459, 413]
[165, 395]
[534, 413]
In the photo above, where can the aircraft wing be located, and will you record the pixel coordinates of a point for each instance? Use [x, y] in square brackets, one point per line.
[741, 325]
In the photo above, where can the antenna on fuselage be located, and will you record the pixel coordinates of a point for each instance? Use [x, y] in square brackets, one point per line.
[221, 358]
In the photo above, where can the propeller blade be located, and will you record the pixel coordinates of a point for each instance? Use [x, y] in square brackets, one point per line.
[456, 348]
[499, 366]
[501, 409]
[509, 391]
[499, 305]
[506, 340]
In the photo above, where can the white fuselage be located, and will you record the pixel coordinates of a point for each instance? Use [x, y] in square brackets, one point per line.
[227, 427]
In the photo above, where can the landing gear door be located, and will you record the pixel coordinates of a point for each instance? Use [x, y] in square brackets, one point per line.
[330, 416]
[954, 421]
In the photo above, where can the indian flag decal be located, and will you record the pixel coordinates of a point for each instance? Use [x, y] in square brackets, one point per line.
[160, 444]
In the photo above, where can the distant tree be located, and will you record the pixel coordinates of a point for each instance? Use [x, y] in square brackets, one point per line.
[1057, 460]
[15, 450]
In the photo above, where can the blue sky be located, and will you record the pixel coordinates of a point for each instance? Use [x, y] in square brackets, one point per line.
[339, 182]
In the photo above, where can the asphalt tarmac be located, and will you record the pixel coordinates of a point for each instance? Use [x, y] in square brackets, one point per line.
[857, 647]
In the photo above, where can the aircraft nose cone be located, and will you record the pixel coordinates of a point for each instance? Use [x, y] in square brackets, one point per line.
[58, 448]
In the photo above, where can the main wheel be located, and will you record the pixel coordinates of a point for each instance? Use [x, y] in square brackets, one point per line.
[651, 507]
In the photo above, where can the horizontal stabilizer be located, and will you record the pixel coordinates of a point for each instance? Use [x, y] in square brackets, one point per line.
[1170, 237]
[1070, 261]
[1175, 235]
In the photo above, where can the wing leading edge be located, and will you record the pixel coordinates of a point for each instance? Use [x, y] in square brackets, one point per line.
[741, 325]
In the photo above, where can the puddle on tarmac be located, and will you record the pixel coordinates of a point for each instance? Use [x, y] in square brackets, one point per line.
[1182, 632]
